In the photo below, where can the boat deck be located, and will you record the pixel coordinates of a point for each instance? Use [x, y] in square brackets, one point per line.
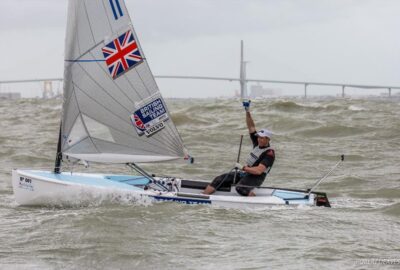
[127, 182]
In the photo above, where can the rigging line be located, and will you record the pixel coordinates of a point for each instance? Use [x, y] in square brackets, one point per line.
[130, 135]
[148, 176]
[77, 60]
[84, 61]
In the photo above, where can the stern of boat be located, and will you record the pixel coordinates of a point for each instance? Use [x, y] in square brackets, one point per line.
[321, 199]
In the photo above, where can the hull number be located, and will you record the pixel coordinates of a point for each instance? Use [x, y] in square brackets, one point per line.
[25, 183]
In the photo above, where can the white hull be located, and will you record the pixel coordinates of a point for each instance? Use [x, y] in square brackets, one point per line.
[35, 190]
[33, 187]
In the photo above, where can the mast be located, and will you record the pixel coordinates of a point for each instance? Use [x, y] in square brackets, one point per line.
[243, 83]
[57, 165]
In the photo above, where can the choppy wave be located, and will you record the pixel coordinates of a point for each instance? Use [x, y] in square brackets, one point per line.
[182, 119]
[333, 131]
[393, 210]
[356, 108]
[296, 106]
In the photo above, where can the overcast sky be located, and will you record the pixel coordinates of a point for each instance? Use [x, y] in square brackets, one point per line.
[343, 41]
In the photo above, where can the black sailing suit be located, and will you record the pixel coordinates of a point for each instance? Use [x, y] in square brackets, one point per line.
[246, 181]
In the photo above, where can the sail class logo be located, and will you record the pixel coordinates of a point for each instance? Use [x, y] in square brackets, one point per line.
[116, 9]
[122, 54]
[150, 118]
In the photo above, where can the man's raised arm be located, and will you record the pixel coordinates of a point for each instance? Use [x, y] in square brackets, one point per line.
[249, 120]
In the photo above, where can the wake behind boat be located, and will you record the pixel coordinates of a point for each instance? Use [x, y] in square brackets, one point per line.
[113, 112]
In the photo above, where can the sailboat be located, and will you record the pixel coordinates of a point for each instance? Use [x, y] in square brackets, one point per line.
[113, 113]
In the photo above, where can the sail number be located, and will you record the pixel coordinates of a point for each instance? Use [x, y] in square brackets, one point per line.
[25, 183]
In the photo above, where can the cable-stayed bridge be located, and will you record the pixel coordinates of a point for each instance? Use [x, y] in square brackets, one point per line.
[242, 79]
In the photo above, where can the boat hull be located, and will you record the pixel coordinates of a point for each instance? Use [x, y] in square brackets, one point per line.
[36, 188]
[33, 187]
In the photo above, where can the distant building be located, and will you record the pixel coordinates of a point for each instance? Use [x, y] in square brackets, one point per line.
[257, 91]
[10, 95]
[48, 90]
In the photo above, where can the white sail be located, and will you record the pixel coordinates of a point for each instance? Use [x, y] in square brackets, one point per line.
[112, 109]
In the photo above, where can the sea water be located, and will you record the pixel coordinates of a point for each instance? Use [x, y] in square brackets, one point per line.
[360, 231]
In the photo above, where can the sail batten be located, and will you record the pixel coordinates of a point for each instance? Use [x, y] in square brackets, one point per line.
[113, 110]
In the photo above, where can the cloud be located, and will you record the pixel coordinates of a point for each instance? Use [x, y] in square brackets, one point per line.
[186, 19]
[32, 14]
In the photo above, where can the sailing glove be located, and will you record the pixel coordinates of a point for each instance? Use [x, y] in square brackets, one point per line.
[238, 166]
[246, 105]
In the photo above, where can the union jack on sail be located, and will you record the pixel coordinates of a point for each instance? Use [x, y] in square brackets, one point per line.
[121, 54]
[139, 123]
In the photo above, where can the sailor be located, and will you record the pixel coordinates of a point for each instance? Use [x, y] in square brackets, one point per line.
[257, 166]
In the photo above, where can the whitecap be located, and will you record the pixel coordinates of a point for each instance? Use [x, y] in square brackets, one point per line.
[356, 108]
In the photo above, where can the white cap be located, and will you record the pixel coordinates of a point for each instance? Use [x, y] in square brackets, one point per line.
[264, 133]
